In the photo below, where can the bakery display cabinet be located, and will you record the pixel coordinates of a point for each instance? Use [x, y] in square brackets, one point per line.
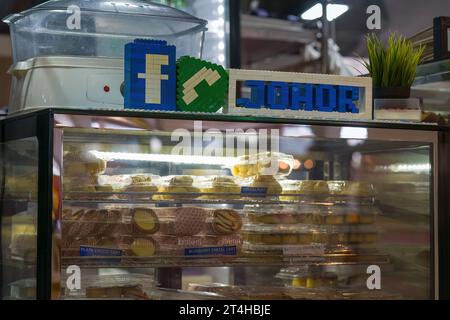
[141, 205]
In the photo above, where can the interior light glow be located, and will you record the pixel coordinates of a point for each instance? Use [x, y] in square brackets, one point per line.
[127, 156]
[353, 133]
[398, 168]
[333, 11]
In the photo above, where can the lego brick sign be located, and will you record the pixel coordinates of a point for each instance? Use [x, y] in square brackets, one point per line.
[155, 80]
[150, 75]
[299, 95]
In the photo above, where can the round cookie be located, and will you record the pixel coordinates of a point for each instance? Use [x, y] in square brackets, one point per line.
[225, 222]
[145, 220]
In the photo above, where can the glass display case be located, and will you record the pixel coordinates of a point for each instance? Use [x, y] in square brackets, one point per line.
[140, 205]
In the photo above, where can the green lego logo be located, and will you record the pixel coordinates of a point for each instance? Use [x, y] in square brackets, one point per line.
[201, 86]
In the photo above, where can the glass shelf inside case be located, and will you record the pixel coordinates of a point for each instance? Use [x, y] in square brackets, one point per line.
[18, 217]
[142, 201]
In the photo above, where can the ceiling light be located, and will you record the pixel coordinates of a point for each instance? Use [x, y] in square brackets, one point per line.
[313, 13]
[333, 11]
[336, 10]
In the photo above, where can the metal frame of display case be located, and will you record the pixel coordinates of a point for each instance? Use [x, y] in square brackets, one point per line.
[42, 124]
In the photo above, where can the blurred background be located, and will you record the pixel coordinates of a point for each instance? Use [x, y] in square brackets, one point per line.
[283, 35]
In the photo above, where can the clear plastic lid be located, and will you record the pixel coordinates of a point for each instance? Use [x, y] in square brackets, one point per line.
[350, 209]
[218, 183]
[305, 187]
[180, 181]
[99, 28]
[305, 272]
[273, 229]
[266, 209]
[124, 180]
[351, 189]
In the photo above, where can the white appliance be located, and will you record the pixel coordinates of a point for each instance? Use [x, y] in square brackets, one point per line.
[67, 82]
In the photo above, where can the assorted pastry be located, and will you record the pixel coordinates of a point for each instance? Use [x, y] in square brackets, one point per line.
[317, 214]
[305, 237]
[283, 214]
[146, 232]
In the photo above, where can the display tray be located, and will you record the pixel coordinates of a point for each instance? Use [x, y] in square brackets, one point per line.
[224, 261]
[276, 293]
[213, 198]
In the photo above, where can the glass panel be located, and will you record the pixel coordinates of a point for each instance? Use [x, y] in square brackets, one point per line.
[248, 210]
[18, 214]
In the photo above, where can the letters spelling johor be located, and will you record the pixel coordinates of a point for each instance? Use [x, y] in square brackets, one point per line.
[300, 96]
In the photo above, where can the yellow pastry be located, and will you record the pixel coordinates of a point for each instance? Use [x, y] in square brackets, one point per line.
[351, 188]
[174, 193]
[305, 188]
[299, 282]
[143, 247]
[221, 187]
[269, 182]
[145, 220]
[267, 163]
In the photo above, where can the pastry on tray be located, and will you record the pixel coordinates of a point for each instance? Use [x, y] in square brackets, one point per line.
[224, 222]
[185, 221]
[271, 184]
[351, 189]
[177, 187]
[144, 220]
[294, 189]
[116, 292]
[220, 187]
[80, 163]
[143, 247]
[268, 163]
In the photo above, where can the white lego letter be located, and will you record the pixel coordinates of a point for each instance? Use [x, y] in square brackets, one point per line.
[153, 77]
[74, 21]
[189, 93]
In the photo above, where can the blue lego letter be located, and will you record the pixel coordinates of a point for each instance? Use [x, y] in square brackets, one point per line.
[325, 98]
[347, 96]
[278, 95]
[302, 97]
[257, 94]
[150, 75]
